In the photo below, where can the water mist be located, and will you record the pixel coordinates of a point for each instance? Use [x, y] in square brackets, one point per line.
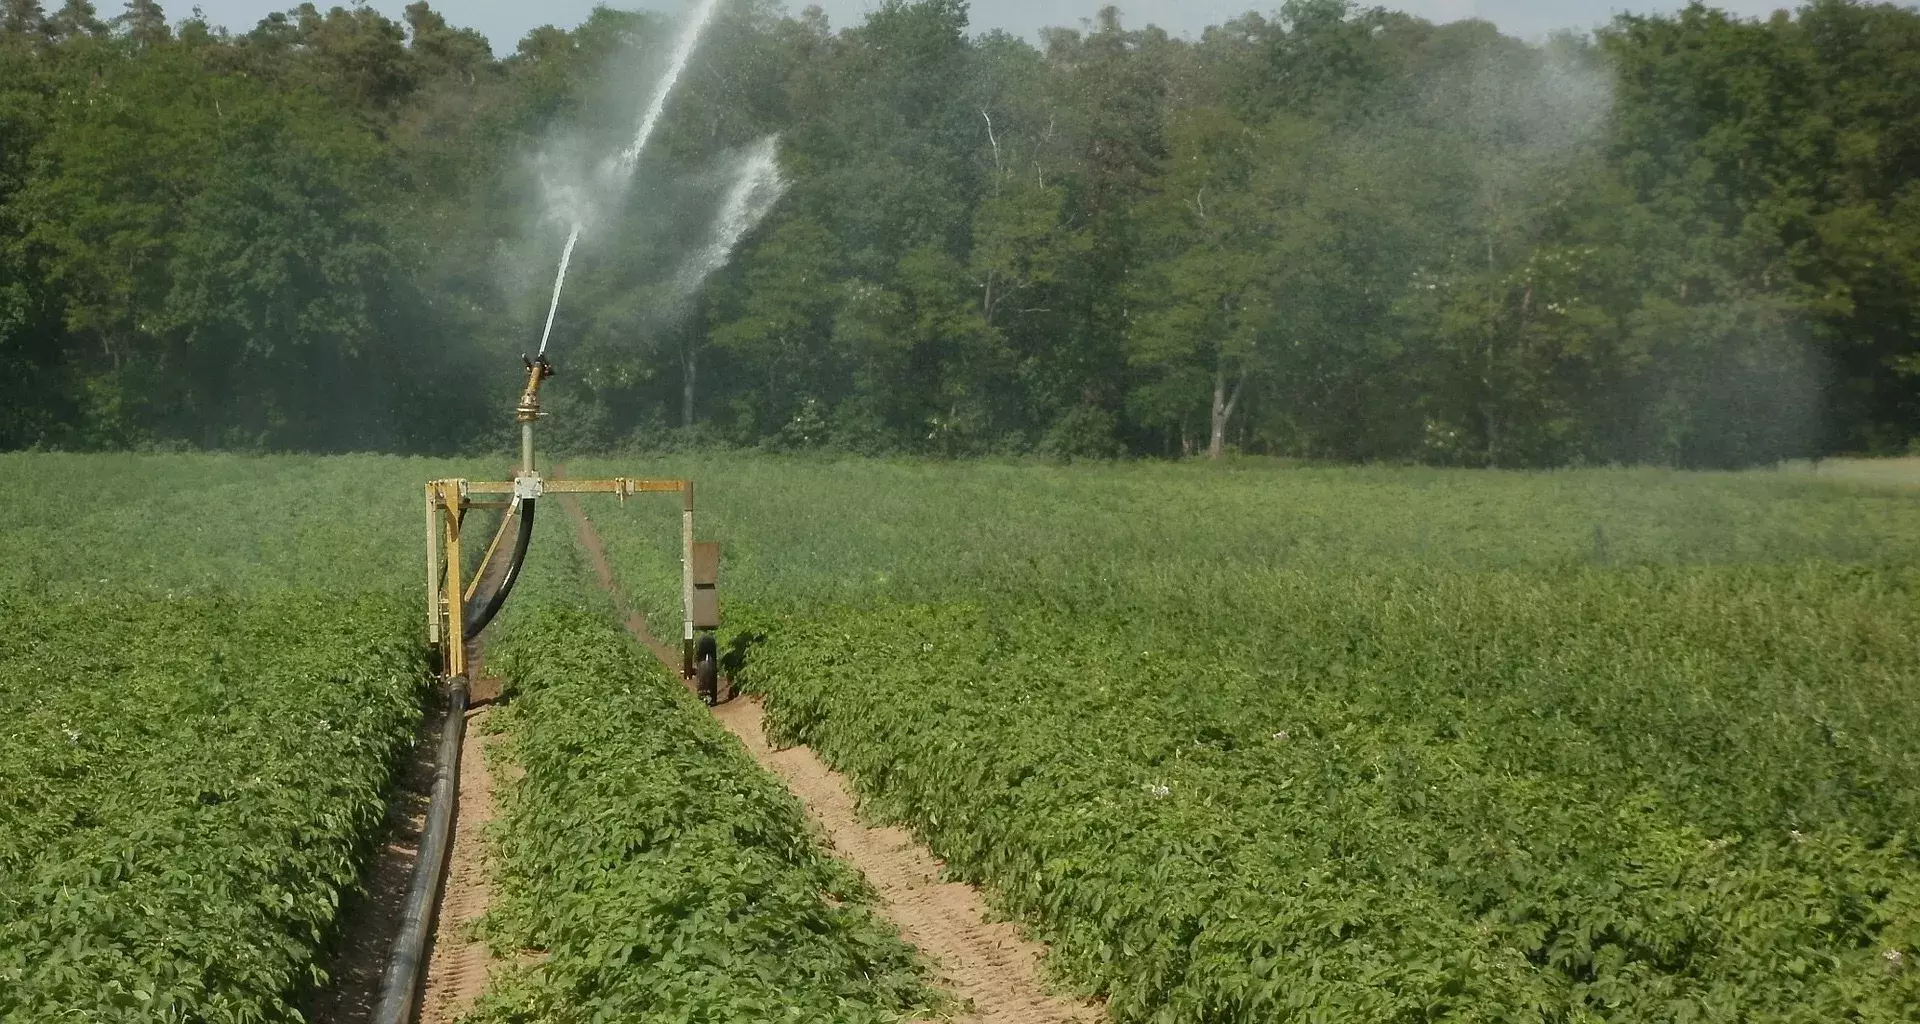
[569, 205]
[757, 186]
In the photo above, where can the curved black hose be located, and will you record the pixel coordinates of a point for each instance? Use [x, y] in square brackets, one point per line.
[484, 615]
[406, 968]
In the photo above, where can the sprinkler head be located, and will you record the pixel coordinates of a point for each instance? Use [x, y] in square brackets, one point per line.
[538, 369]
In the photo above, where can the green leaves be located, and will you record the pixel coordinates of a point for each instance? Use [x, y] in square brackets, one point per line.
[186, 789]
[1362, 743]
[1329, 232]
[657, 870]
[1606, 808]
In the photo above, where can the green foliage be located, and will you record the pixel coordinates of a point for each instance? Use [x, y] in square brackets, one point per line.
[1083, 433]
[201, 705]
[659, 873]
[1334, 232]
[173, 525]
[187, 787]
[1364, 743]
[849, 531]
[207, 253]
[1382, 801]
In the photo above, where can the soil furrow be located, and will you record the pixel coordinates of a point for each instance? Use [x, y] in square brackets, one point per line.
[458, 963]
[987, 965]
[369, 920]
[457, 967]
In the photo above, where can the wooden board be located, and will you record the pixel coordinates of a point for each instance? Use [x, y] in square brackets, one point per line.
[706, 564]
[706, 608]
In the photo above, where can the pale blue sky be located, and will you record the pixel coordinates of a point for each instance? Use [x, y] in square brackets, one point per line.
[505, 21]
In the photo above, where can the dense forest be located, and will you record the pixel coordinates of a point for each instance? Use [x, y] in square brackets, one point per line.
[1327, 232]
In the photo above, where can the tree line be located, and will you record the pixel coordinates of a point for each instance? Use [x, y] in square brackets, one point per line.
[1329, 232]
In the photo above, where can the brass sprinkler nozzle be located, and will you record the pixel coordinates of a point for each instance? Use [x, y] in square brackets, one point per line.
[529, 408]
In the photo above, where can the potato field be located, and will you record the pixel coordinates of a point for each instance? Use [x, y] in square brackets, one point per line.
[1367, 744]
[208, 666]
[1239, 743]
[660, 872]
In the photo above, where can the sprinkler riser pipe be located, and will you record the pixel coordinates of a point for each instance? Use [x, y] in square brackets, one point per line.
[686, 577]
[527, 410]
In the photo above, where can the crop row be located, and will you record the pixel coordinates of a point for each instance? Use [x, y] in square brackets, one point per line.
[1364, 743]
[651, 868]
[187, 786]
[1541, 795]
[205, 524]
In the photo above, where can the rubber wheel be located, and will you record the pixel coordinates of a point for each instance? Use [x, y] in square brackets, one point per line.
[706, 668]
[707, 672]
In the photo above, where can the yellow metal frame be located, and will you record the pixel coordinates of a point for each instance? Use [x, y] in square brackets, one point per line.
[448, 596]
[449, 500]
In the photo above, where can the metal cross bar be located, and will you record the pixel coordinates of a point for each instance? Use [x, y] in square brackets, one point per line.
[622, 486]
[448, 593]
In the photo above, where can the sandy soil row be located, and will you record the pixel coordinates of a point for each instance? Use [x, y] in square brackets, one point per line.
[457, 963]
[988, 966]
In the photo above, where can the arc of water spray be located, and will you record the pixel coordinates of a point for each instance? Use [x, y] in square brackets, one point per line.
[620, 167]
[566, 257]
[756, 188]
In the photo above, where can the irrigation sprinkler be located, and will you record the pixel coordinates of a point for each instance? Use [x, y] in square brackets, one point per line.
[459, 609]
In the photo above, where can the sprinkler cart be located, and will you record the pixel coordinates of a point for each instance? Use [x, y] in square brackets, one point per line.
[457, 611]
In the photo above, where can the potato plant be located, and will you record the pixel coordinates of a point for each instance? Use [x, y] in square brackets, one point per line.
[654, 871]
[1254, 744]
[187, 786]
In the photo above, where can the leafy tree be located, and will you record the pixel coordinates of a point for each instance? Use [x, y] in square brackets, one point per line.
[24, 23]
[788, 302]
[1334, 231]
[77, 19]
[1208, 303]
[144, 22]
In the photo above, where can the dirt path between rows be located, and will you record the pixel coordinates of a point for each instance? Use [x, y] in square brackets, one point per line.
[457, 962]
[987, 965]
[369, 923]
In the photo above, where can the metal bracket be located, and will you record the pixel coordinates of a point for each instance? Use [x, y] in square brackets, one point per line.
[528, 486]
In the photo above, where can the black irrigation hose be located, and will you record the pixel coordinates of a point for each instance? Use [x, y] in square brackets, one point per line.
[485, 615]
[406, 969]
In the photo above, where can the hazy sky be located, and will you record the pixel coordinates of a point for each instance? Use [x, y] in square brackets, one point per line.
[505, 21]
